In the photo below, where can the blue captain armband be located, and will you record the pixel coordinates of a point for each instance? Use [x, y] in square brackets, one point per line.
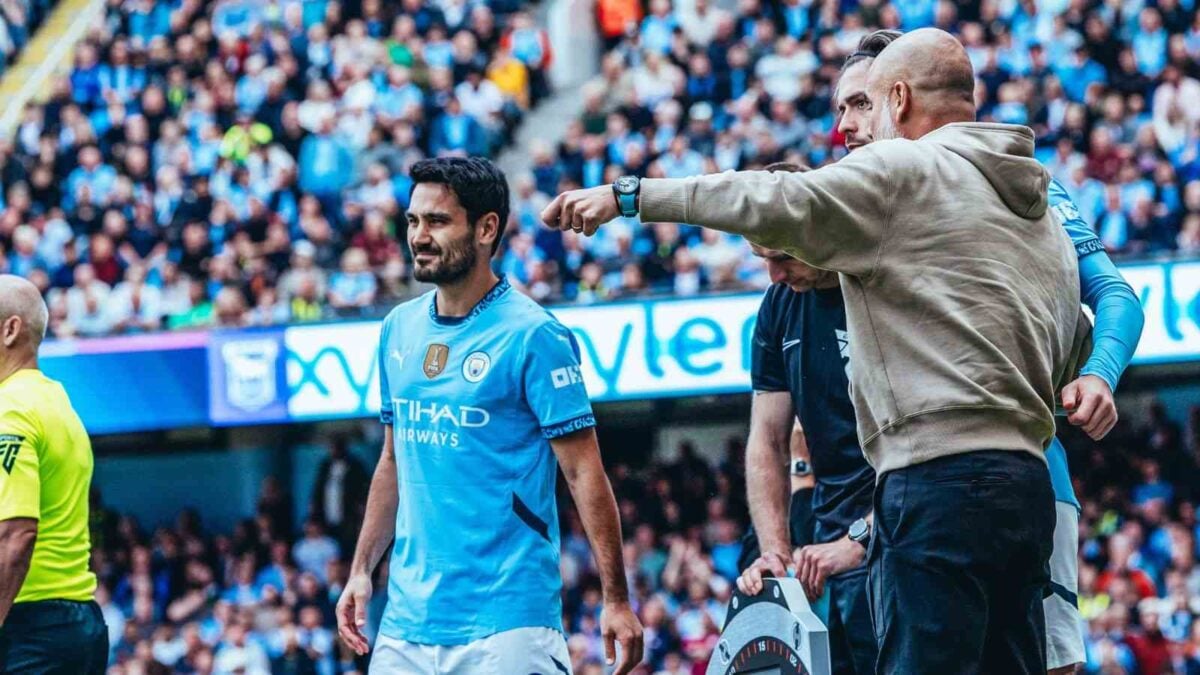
[569, 427]
[1087, 247]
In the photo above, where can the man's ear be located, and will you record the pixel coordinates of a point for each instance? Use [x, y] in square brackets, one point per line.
[488, 229]
[904, 102]
[10, 330]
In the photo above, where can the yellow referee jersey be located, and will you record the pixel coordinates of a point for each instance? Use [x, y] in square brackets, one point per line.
[45, 473]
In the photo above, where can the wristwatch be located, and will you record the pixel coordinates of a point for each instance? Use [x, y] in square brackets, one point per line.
[626, 189]
[801, 468]
[860, 531]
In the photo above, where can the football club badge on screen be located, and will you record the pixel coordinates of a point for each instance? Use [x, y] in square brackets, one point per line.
[246, 377]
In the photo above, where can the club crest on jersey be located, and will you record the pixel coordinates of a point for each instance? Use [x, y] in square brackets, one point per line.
[10, 444]
[435, 360]
[476, 366]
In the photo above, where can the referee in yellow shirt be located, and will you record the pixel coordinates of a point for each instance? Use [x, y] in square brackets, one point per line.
[49, 622]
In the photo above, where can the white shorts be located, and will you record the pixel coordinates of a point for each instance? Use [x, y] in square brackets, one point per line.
[1064, 625]
[522, 651]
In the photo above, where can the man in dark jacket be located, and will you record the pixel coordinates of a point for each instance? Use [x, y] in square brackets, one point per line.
[340, 493]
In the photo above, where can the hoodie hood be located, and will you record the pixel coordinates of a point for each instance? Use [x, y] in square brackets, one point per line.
[1003, 153]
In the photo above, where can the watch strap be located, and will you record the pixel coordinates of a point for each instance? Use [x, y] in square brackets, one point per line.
[628, 205]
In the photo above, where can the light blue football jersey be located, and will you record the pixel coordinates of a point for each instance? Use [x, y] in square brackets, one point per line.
[473, 403]
[1117, 311]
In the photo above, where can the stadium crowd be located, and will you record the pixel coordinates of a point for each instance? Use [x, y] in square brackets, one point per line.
[1109, 88]
[19, 20]
[179, 598]
[240, 162]
[243, 163]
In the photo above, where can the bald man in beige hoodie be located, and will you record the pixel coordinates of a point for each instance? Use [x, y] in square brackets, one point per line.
[961, 294]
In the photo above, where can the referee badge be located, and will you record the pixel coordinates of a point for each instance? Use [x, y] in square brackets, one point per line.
[10, 444]
[435, 360]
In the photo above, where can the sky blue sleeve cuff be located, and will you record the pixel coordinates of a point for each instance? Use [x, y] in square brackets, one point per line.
[1118, 318]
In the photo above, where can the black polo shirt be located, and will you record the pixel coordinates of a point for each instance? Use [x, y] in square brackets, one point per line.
[800, 347]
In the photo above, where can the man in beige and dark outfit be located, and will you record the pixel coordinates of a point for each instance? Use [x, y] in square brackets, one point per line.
[961, 294]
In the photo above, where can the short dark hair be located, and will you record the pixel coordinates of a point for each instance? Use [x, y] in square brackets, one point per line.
[479, 184]
[870, 45]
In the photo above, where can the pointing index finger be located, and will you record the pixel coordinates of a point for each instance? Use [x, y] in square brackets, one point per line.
[550, 213]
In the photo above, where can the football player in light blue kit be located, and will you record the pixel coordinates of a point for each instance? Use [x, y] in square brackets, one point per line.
[482, 400]
[1089, 404]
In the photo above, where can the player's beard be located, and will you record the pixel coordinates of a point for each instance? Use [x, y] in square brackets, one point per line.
[885, 125]
[453, 263]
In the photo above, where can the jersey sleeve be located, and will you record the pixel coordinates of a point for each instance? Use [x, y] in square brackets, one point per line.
[553, 383]
[385, 392]
[1082, 235]
[767, 369]
[1118, 313]
[1118, 318]
[20, 480]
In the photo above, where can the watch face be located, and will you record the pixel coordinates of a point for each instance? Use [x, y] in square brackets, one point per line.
[627, 185]
[858, 529]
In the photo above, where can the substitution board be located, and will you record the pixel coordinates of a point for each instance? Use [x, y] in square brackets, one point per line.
[773, 633]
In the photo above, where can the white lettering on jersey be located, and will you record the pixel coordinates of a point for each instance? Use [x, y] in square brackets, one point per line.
[420, 412]
[1066, 211]
[565, 376]
[429, 437]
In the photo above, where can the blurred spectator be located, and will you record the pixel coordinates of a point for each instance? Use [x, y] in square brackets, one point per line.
[316, 550]
[339, 495]
[134, 305]
[238, 654]
[353, 289]
[229, 308]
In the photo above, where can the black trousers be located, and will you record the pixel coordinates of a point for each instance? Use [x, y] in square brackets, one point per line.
[54, 637]
[959, 563]
[852, 646]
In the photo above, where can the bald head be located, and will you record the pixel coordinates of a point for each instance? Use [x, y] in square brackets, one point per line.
[920, 82]
[23, 317]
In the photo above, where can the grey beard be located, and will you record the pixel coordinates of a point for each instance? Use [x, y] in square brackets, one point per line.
[886, 127]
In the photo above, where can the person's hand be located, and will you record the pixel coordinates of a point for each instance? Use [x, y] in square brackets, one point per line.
[677, 547]
[352, 612]
[816, 563]
[583, 211]
[769, 564]
[1090, 404]
[619, 625]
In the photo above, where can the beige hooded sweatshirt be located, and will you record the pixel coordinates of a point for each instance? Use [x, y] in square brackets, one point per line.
[961, 287]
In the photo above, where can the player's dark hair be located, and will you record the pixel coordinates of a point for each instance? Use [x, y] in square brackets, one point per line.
[786, 167]
[870, 45]
[479, 184]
